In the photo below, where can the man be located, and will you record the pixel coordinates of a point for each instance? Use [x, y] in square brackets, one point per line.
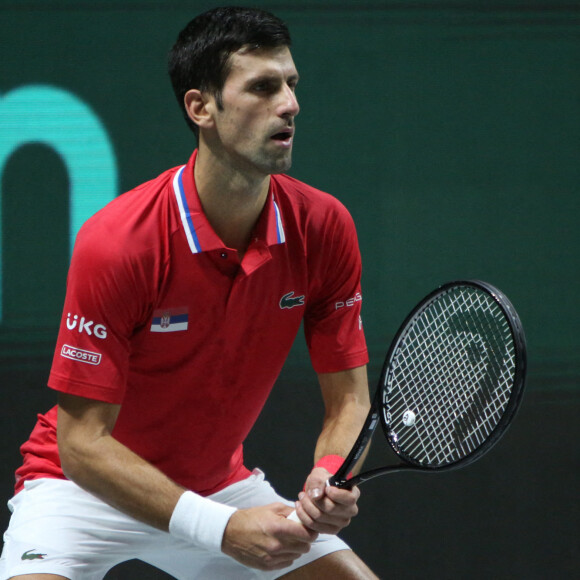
[183, 299]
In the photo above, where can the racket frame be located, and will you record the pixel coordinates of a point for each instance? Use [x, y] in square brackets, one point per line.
[376, 413]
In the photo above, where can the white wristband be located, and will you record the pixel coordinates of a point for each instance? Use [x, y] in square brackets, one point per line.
[200, 521]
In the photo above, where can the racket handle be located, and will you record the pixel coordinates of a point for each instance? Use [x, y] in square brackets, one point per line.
[294, 517]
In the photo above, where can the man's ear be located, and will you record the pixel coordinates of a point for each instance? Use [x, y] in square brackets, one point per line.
[199, 107]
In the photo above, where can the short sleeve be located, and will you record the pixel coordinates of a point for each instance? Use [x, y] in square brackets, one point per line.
[333, 323]
[106, 301]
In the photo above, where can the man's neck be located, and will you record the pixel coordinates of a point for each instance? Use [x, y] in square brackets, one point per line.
[231, 201]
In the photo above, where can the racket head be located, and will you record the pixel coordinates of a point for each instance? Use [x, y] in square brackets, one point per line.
[453, 377]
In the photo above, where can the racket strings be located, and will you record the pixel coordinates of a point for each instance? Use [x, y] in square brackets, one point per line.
[453, 368]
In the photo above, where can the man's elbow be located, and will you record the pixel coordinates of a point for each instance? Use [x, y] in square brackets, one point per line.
[72, 457]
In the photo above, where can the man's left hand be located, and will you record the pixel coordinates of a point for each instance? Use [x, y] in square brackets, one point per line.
[326, 509]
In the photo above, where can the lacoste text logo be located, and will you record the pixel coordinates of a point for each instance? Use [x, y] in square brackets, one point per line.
[80, 355]
[28, 556]
[290, 301]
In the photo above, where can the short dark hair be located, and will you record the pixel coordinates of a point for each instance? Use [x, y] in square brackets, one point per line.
[200, 57]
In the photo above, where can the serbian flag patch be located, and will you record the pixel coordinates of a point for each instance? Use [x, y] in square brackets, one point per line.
[169, 320]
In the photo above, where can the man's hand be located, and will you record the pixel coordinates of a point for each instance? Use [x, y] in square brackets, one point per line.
[326, 509]
[263, 537]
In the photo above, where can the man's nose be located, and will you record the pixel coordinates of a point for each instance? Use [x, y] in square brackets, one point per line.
[290, 106]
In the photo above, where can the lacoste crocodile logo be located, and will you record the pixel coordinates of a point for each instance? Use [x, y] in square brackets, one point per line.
[28, 556]
[290, 301]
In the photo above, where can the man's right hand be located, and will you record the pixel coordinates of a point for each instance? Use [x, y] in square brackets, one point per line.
[263, 537]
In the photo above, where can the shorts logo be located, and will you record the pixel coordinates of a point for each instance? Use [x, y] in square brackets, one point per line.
[80, 355]
[84, 325]
[290, 301]
[28, 556]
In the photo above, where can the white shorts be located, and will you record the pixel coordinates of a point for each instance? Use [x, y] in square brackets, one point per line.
[58, 528]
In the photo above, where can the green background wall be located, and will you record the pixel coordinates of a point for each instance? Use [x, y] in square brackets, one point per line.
[451, 130]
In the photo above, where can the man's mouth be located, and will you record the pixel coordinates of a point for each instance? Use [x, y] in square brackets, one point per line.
[284, 135]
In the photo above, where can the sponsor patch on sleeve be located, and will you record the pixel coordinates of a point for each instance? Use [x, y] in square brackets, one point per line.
[80, 355]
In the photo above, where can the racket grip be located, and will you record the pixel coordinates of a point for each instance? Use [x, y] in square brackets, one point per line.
[294, 517]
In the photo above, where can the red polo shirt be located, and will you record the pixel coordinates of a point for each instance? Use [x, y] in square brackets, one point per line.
[163, 319]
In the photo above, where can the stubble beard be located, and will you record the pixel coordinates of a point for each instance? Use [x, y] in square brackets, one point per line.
[275, 164]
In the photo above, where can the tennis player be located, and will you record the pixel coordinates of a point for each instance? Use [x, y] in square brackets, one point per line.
[183, 299]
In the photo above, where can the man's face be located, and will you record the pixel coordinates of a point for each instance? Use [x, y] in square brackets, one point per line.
[255, 126]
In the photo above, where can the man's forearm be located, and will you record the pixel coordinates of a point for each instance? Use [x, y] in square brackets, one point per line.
[97, 462]
[347, 404]
[322, 508]
[115, 474]
[338, 435]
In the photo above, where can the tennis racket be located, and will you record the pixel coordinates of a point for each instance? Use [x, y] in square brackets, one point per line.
[452, 381]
